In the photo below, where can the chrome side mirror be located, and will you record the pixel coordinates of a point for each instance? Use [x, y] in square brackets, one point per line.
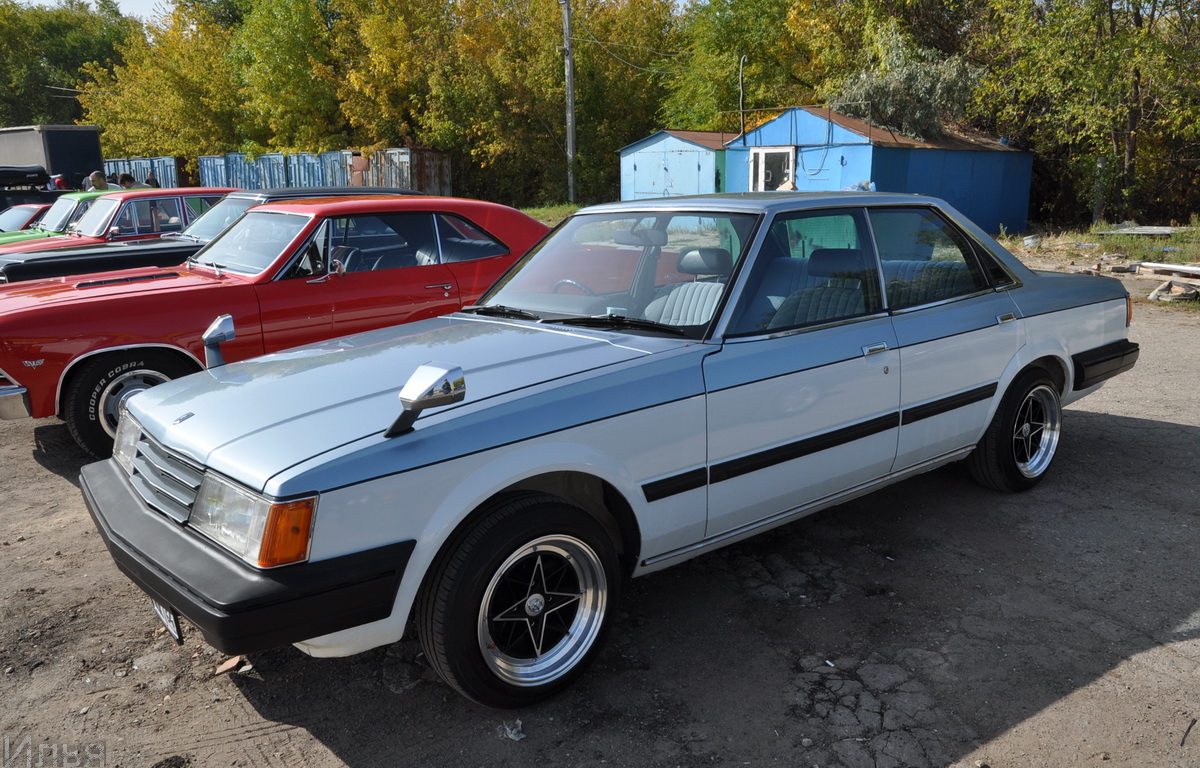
[220, 331]
[432, 385]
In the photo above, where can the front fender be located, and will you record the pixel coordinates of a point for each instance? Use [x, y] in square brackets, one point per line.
[429, 504]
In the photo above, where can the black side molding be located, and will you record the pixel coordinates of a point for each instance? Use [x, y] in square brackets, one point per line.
[1096, 365]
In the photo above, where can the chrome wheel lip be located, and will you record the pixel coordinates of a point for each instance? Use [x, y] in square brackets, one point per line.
[112, 399]
[1036, 431]
[584, 628]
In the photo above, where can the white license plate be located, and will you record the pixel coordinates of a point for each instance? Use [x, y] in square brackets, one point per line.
[170, 619]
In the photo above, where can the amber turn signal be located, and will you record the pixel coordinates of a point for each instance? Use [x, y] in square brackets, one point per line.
[286, 534]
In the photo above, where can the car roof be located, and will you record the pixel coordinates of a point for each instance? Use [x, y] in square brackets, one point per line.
[88, 195]
[760, 202]
[134, 194]
[332, 205]
[285, 193]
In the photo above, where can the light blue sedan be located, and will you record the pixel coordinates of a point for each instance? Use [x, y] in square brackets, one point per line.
[655, 380]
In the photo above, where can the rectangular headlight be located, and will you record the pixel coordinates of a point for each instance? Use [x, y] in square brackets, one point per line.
[129, 432]
[261, 532]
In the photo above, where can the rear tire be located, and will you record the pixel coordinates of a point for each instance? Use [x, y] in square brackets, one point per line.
[518, 604]
[101, 386]
[1020, 444]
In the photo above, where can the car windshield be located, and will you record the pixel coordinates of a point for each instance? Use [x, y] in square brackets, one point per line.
[96, 221]
[642, 272]
[252, 243]
[59, 216]
[215, 220]
[12, 219]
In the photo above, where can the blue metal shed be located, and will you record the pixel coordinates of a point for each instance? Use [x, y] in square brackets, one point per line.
[670, 163]
[815, 148]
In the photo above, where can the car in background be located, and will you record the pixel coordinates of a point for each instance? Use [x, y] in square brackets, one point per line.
[67, 209]
[657, 379]
[288, 272]
[133, 214]
[170, 249]
[18, 217]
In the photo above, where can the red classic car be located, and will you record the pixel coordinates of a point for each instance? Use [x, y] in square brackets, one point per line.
[135, 214]
[18, 217]
[288, 273]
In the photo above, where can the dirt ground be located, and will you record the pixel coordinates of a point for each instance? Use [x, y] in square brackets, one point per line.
[930, 624]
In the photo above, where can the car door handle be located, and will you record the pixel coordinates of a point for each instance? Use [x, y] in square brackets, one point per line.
[1007, 317]
[440, 287]
[875, 349]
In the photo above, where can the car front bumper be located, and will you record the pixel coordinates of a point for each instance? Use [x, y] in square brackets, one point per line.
[14, 402]
[239, 609]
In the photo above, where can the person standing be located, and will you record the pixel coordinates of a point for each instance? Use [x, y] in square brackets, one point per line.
[126, 181]
[95, 180]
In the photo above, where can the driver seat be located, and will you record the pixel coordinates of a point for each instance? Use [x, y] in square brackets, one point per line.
[693, 303]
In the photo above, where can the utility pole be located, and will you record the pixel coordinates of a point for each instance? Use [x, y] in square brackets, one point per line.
[569, 63]
[742, 96]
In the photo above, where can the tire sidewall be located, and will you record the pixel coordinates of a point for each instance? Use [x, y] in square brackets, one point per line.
[83, 406]
[1011, 408]
[502, 535]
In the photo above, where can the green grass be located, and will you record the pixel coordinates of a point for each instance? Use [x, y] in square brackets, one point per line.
[550, 215]
[1177, 248]
[1070, 250]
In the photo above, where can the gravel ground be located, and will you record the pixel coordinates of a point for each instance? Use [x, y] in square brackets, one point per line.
[930, 624]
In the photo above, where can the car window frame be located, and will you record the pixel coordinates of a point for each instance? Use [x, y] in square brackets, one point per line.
[758, 241]
[971, 253]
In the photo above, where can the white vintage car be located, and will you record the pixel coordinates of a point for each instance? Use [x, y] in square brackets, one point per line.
[657, 379]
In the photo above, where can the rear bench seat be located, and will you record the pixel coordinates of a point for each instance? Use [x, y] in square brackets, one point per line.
[910, 283]
[802, 291]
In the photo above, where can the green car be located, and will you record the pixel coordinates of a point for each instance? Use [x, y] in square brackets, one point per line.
[66, 211]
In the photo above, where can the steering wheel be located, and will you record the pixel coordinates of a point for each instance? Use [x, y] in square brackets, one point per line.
[574, 283]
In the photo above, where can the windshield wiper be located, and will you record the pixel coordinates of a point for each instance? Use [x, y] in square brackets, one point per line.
[193, 262]
[617, 321]
[499, 310]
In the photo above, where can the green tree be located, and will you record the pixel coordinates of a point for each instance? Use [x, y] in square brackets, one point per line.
[704, 92]
[44, 52]
[391, 50]
[283, 52]
[915, 91]
[177, 93]
[1106, 91]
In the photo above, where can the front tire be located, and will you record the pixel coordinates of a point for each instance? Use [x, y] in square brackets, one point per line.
[99, 389]
[518, 605]
[1020, 444]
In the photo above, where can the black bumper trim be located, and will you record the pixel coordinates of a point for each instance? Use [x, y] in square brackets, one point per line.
[239, 609]
[1101, 363]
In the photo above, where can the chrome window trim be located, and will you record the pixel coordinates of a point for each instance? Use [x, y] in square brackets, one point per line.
[943, 302]
[835, 323]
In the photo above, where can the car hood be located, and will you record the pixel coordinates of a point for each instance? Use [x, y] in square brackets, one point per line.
[254, 419]
[56, 290]
[104, 249]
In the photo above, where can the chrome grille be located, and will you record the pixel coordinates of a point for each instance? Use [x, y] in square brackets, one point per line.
[165, 481]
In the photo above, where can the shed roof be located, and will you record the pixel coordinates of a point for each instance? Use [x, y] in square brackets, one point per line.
[710, 139]
[885, 137]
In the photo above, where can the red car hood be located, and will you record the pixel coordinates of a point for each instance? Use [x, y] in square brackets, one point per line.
[17, 296]
[48, 243]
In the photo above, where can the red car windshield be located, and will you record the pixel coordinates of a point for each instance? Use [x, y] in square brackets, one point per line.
[96, 221]
[252, 243]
